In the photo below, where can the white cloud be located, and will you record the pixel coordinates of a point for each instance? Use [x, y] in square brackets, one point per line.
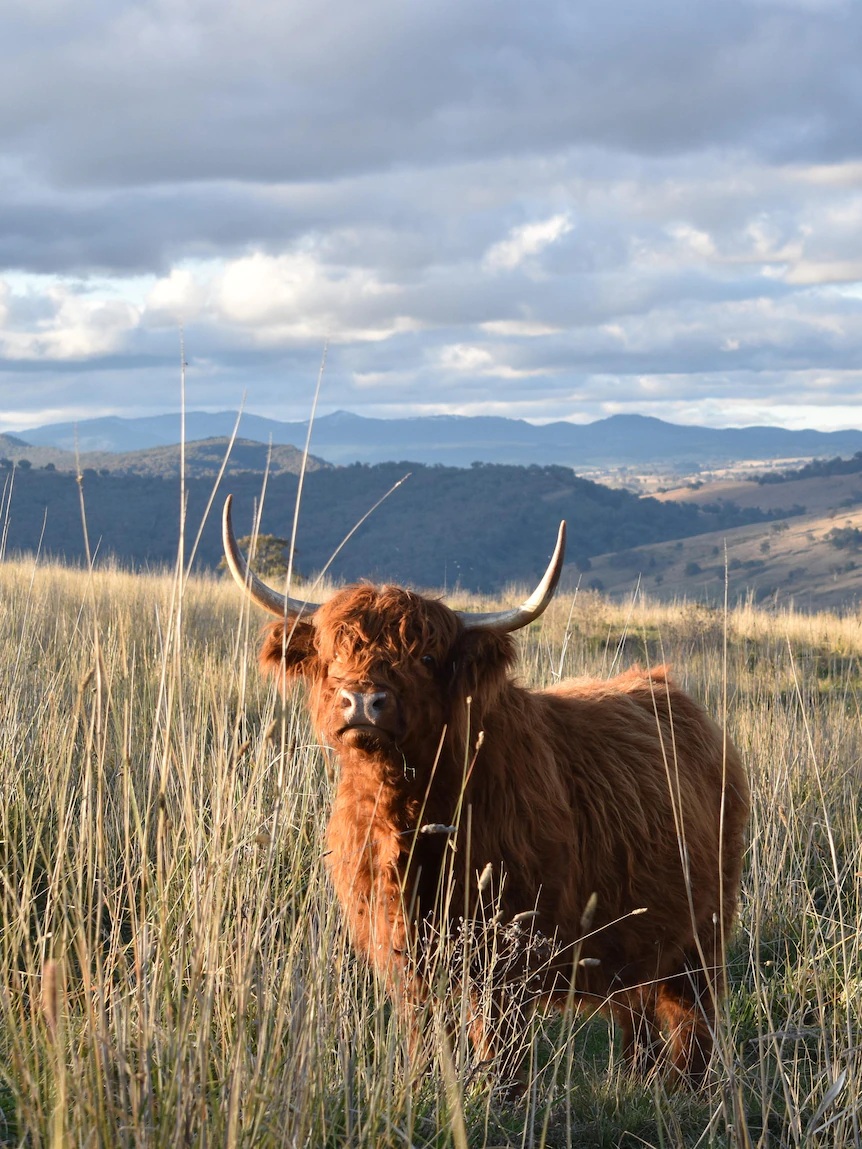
[805, 271]
[177, 298]
[65, 325]
[529, 239]
[296, 297]
[518, 328]
[698, 244]
[462, 357]
[493, 361]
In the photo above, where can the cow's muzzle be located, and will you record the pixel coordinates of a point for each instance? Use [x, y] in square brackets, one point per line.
[367, 712]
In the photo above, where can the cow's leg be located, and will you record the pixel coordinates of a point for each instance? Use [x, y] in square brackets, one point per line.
[421, 1020]
[641, 1037]
[497, 1026]
[405, 978]
[685, 1006]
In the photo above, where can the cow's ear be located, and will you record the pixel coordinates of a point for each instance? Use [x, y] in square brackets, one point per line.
[481, 660]
[289, 652]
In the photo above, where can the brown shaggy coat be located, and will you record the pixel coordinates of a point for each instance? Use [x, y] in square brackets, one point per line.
[624, 788]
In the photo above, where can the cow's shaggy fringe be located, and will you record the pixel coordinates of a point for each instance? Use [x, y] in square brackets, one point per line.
[172, 966]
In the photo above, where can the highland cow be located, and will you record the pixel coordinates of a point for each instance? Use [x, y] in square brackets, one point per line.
[609, 814]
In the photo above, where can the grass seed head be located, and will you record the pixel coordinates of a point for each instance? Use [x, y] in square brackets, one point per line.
[589, 912]
[51, 993]
[484, 879]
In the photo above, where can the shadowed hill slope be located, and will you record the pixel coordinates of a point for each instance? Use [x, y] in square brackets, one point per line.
[481, 527]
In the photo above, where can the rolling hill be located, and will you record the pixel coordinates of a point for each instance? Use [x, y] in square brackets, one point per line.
[204, 458]
[481, 527]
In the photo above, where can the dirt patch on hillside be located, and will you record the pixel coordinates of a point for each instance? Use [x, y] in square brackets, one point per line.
[819, 495]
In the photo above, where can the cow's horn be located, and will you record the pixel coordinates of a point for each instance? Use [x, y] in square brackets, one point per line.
[509, 620]
[278, 604]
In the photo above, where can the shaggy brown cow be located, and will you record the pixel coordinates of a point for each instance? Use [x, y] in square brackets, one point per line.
[624, 789]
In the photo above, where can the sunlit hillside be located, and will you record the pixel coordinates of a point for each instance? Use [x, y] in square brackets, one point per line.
[811, 558]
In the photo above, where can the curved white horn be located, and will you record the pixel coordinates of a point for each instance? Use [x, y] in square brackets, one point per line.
[278, 604]
[509, 620]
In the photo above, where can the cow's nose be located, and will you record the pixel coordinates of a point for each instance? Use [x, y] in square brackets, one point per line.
[363, 707]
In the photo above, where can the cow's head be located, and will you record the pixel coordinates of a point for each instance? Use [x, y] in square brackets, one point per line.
[388, 668]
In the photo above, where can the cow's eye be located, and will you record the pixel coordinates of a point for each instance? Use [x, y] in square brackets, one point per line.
[429, 661]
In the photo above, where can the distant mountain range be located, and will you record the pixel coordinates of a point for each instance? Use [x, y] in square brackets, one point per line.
[458, 441]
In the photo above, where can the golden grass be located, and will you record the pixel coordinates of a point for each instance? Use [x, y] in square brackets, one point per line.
[173, 970]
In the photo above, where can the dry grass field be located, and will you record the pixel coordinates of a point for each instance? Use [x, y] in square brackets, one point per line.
[173, 969]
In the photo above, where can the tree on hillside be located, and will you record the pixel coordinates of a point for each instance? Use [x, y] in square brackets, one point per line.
[268, 555]
[845, 538]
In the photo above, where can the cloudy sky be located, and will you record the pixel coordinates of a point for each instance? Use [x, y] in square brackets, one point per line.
[553, 209]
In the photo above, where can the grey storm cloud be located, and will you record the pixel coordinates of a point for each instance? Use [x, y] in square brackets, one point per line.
[484, 205]
[101, 93]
